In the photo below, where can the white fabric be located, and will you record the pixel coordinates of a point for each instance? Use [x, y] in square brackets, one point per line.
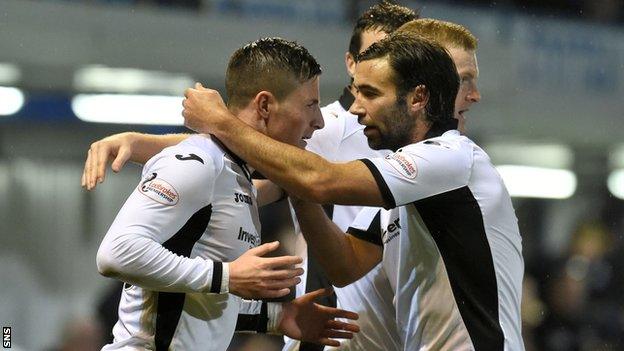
[342, 139]
[451, 196]
[175, 185]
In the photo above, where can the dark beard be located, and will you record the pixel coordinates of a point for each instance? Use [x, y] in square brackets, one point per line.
[400, 127]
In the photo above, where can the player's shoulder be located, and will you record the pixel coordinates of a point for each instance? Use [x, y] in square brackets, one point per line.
[333, 116]
[187, 171]
[197, 156]
[450, 153]
[451, 143]
[326, 140]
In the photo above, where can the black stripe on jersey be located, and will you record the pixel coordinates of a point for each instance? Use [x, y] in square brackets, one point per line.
[234, 157]
[346, 99]
[455, 222]
[169, 305]
[317, 279]
[372, 234]
[329, 210]
[217, 276]
[381, 183]
[257, 175]
[254, 322]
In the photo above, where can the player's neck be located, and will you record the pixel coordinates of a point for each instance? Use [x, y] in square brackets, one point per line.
[250, 118]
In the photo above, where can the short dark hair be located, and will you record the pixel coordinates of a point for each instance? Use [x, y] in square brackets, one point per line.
[384, 16]
[418, 61]
[271, 64]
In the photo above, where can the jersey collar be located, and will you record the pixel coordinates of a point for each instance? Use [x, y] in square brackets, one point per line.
[234, 157]
[346, 99]
[451, 132]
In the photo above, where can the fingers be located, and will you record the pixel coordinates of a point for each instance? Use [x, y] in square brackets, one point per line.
[284, 273]
[329, 342]
[338, 313]
[335, 334]
[319, 293]
[337, 330]
[339, 325]
[281, 261]
[122, 157]
[263, 249]
[101, 158]
[281, 283]
[83, 181]
[90, 182]
[93, 164]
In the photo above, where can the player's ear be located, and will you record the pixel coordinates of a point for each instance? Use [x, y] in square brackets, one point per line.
[417, 99]
[350, 63]
[262, 103]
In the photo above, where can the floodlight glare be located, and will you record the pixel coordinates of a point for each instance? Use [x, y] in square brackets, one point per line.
[128, 109]
[537, 182]
[11, 100]
[615, 183]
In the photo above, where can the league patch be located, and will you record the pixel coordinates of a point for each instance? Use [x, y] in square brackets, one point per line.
[159, 191]
[403, 163]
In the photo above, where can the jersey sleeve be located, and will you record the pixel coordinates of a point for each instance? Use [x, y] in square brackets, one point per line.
[421, 170]
[150, 241]
[256, 316]
[367, 225]
[374, 224]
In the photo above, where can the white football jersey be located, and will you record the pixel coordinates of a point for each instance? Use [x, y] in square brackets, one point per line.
[458, 264]
[193, 210]
[381, 227]
[341, 140]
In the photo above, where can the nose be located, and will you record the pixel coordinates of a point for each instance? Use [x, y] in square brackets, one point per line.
[474, 96]
[318, 122]
[357, 109]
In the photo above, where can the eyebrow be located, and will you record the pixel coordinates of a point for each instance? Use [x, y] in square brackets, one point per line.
[367, 87]
[468, 74]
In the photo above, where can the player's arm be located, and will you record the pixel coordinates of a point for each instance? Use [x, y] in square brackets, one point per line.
[415, 172]
[150, 241]
[302, 173]
[345, 258]
[118, 149]
[300, 319]
[268, 192]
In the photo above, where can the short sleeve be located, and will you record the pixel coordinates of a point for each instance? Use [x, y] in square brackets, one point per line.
[421, 170]
[367, 225]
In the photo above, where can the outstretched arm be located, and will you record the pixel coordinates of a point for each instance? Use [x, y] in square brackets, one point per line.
[302, 173]
[300, 319]
[118, 149]
[344, 258]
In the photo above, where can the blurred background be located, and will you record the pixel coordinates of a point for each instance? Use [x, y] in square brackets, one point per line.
[74, 71]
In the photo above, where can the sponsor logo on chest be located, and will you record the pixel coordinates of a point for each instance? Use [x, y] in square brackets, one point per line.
[251, 238]
[391, 231]
[238, 197]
